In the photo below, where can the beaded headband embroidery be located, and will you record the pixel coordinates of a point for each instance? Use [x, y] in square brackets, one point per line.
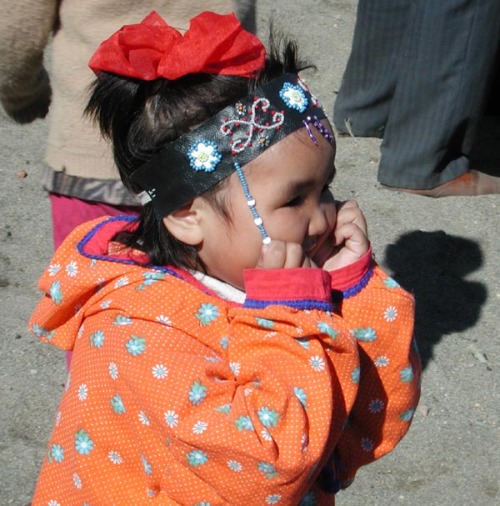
[198, 160]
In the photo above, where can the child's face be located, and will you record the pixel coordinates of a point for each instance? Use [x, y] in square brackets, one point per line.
[289, 183]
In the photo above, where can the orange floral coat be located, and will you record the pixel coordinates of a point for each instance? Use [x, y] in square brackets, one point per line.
[176, 396]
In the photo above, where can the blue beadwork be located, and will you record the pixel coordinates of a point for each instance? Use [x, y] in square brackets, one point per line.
[204, 155]
[251, 204]
[294, 97]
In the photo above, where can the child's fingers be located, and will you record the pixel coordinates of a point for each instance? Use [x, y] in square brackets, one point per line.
[272, 256]
[351, 236]
[282, 255]
[352, 245]
[294, 256]
[349, 212]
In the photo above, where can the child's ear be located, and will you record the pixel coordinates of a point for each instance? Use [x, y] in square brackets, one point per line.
[184, 223]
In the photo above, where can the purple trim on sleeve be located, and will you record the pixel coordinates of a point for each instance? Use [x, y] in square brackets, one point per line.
[338, 296]
[296, 304]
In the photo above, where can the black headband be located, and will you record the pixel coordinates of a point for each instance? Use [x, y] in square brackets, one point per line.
[198, 160]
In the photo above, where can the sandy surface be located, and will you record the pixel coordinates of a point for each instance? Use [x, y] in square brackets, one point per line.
[444, 251]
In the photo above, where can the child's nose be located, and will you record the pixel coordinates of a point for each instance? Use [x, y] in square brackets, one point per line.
[319, 222]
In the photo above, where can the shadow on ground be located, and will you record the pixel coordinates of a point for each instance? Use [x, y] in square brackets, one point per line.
[433, 266]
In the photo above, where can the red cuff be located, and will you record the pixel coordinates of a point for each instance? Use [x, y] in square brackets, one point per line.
[346, 277]
[302, 288]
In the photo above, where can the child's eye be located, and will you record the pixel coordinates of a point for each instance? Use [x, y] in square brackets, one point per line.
[294, 202]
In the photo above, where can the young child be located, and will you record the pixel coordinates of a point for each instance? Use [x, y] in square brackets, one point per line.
[236, 344]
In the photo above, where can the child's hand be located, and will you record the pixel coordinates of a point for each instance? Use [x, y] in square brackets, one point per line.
[283, 255]
[350, 237]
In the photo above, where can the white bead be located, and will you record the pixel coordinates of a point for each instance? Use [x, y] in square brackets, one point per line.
[267, 240]
[258, 221]
[251, 203]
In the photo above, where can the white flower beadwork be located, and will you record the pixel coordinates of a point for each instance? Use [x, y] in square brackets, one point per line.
[203, 155]
[294, 97]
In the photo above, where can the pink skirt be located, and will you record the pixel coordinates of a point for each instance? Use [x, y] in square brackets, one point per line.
[69, 212]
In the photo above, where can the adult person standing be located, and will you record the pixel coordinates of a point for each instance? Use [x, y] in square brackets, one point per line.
[418, 76]
[80, 176]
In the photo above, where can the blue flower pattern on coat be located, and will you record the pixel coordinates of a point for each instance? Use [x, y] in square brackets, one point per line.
[273, 499]
[366, 335]
[197, 393]
[122, 320]
[136, 345]
[97, 339]
[264, 323]
[197, 458]
[244, 423]
[308, 500]
[149, 279]
[83, 444]
[55, 293]
[117, 405]
[406, 374]
[56, 452]
[304, 342]
[225, 408]
[391, 283]
[268, 469]
[207, 313]
[407, 416]
[327, 329]
[42, 332]
[148, 469]
[268, 417]
[355, 375]
[301, 396]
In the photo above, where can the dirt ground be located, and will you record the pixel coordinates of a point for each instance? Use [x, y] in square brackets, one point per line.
[444, 251]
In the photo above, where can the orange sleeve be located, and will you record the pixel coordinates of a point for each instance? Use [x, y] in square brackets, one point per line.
[381, 318]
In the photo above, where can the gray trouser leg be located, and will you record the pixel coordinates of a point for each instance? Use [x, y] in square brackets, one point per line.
[439, 76]
[364, 98]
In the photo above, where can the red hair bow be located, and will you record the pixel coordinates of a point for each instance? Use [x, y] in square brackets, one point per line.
[214, 44]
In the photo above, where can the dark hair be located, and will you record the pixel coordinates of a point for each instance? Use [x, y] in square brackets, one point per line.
[141, 117]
